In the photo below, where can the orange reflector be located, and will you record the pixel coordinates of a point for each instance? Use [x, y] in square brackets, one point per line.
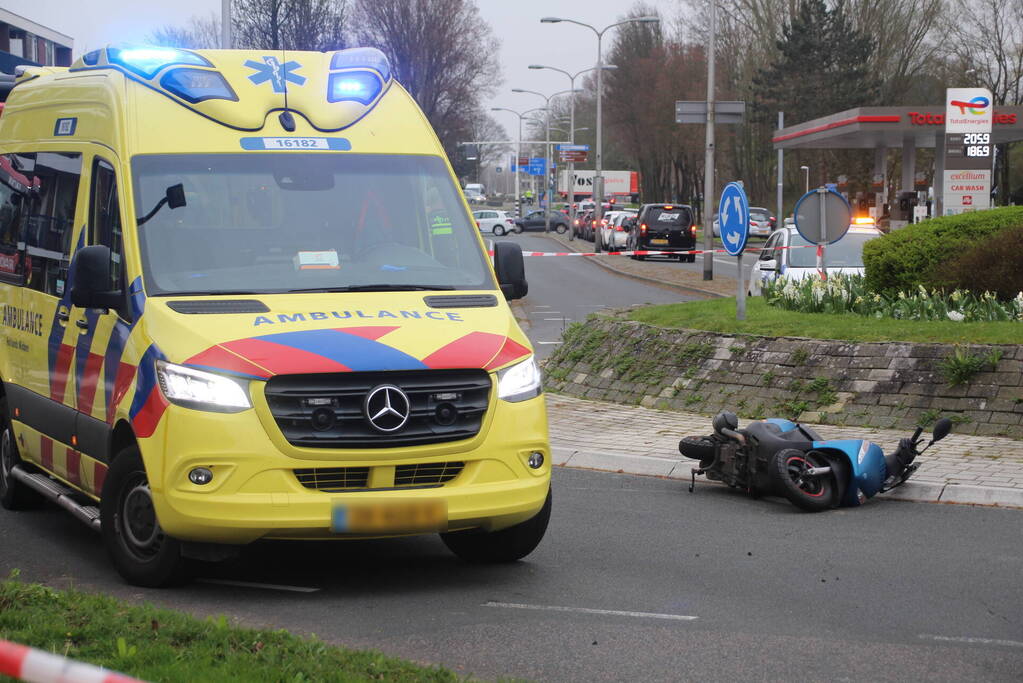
[17, 412]
[74, 440]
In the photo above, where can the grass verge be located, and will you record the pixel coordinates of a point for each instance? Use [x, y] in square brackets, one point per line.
[163, 645]
[718, 315]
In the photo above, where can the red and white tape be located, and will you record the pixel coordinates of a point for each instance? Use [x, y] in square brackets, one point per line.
[653, 253]
[35, 666]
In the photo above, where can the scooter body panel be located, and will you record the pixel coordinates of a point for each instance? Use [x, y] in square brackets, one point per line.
[866, 463]
[783, 425]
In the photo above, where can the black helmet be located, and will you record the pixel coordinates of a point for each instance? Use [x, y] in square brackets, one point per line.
[725, 420]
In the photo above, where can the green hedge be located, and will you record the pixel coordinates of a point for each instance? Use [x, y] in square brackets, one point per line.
[912, 256]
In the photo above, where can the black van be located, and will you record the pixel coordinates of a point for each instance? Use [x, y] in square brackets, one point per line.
[664, 227]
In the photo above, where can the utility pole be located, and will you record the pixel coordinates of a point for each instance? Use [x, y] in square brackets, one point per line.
[779, 218]
[708, 171]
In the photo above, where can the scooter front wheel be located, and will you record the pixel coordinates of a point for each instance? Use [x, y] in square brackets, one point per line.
[813, 493]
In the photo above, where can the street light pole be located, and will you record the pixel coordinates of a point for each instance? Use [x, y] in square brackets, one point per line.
[598, 175]
[547, 181]
[225, 24]
[571, 136]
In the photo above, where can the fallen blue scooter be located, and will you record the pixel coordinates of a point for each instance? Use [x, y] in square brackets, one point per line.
[781, 457]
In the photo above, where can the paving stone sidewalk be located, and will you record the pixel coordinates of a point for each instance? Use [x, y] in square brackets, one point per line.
[634, 440]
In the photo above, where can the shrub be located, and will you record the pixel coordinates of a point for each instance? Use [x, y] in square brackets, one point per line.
[995, 264]
[909, 257]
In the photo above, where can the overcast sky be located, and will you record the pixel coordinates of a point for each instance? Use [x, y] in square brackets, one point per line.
[522, 39]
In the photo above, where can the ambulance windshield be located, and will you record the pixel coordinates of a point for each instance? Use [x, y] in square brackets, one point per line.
[285, 222]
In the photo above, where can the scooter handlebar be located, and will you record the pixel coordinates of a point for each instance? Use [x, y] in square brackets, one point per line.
[916, 435]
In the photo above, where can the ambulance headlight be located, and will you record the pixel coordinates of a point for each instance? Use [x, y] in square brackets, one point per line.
[358, 86]
[201, 390]
[519, 382]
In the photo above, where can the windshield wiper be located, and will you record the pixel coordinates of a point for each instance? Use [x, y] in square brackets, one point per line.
[376, 288]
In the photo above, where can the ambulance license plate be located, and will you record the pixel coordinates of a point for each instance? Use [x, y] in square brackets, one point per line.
[393, 516]
[658, 241]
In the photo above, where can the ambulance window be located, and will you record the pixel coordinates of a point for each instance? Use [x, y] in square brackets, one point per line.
[105, 219]
[15, 199]
[50, 219]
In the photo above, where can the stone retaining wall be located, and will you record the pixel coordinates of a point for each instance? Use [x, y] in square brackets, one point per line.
[889, 385]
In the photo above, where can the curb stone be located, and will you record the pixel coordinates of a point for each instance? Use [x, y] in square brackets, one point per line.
[671, 468]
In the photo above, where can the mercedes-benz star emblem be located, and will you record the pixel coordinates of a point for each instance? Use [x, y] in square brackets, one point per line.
[387, 408]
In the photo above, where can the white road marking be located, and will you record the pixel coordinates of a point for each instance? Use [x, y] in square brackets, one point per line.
[590, 610]
[557, 342]
[545, 312]
[252, 584]
[557, 319]
[980, 641]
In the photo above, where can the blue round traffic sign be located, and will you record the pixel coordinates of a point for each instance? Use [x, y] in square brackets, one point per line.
[733, 218]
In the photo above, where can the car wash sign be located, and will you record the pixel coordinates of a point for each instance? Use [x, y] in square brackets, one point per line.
[969, 113]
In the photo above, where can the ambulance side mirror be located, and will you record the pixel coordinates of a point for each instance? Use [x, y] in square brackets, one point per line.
[511, 270]
[90, 278]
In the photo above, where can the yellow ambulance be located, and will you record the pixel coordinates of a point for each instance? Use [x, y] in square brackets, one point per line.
[243, 298]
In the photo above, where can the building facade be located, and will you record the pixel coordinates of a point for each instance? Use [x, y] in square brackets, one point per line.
[23, 41]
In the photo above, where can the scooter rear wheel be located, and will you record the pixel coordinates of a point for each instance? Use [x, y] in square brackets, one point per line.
[698, 448]
[813, 494]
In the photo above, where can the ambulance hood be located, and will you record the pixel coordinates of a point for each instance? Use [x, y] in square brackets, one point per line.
[348, 332]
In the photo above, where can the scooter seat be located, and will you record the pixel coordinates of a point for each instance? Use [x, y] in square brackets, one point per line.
[771, 439]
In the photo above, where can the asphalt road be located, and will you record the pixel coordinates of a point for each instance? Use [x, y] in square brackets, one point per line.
[566, 289]
[636, 580]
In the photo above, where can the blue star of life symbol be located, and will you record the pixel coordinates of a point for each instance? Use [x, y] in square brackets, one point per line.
[275, 72]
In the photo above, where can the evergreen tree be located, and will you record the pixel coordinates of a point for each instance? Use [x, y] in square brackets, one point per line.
[822, 67]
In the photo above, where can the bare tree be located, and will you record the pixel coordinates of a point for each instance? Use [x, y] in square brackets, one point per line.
[289, 24]
[441, 51]
[199, 33]
[987, 41]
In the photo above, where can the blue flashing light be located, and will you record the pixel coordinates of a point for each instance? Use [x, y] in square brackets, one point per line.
[197, 85]
[363, 58]
[147, 61]
[91, 58]
[357, 86]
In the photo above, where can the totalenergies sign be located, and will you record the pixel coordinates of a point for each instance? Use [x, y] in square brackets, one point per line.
[968, 110]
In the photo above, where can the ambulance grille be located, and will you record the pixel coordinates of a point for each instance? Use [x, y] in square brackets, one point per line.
[427, 473]
[327, 410]
[333, 477]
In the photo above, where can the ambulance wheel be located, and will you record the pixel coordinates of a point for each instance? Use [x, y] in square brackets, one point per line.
[14, 495]
[507, 545]
[136, 544]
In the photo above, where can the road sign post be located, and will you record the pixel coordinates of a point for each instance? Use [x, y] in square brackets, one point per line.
[733, 219]
[822, 218]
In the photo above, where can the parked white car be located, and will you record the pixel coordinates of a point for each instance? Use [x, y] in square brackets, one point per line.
[493, 221]
[612, 235]
[777, 259]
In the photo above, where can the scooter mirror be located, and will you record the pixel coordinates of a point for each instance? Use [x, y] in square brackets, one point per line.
[725, 420]
[942, 429]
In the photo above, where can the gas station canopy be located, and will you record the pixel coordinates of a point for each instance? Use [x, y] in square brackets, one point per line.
[874, 127]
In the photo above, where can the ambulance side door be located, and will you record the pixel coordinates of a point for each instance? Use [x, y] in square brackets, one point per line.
[46, 397]
[104, 332]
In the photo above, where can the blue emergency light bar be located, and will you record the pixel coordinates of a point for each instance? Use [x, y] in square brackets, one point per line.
[362, 58]
[357, 86]
[147, 61]
[197, 85]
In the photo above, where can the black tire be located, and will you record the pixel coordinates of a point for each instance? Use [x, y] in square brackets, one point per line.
[14, 495]
[499, 230]
[519, 229]
[811, 494]
[561, 228]
[507, 545]
[136, 545]
[691, 258]
[697, 448]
